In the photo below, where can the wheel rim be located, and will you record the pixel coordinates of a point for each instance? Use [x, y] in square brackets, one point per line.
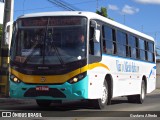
[104, 95]
[143, 92]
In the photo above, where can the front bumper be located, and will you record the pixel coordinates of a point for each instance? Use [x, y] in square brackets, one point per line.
[64, 91]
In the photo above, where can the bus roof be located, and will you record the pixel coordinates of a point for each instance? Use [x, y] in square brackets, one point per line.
[89, 15]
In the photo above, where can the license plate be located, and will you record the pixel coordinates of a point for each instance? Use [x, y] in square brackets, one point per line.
[42, 88]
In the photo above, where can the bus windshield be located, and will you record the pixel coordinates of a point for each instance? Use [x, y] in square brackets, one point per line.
[49, 40]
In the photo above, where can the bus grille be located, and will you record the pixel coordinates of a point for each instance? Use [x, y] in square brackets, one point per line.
[53, 92]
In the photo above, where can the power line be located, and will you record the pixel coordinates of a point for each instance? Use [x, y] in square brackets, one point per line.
[63, 4]
[157, 32]
[89, 1]
[34, 9]
[23, 5]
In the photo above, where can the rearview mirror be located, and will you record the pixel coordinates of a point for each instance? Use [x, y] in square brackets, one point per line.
[96, 35]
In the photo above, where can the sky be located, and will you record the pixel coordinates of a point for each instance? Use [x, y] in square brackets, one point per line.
[142, 15]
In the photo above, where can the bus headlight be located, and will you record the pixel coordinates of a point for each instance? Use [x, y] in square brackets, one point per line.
[77, 78]
[14, 79]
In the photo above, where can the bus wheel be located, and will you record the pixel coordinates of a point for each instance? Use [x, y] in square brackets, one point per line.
[43, 103]
[138, 98]
[142, 96]
[101, 103]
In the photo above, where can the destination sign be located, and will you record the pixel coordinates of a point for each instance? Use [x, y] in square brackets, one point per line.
[53, 21]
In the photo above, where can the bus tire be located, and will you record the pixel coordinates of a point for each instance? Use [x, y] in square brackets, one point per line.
[101, 103]
[43, 103]
[141, 97]
[138, 98]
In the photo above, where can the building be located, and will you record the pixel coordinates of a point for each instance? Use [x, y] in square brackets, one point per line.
[2, 11]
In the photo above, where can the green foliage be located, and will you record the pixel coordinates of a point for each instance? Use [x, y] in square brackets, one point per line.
[103, 12]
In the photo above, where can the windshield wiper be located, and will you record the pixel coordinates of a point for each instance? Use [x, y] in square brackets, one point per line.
[53, 45]
[30, 55]
[57, 53]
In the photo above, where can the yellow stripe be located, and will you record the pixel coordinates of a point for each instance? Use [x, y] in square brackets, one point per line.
[52, 79]
[48, 78]
[94, 65]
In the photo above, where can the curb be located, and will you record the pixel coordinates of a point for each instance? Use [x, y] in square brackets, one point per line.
[16, 101]
[157, 91]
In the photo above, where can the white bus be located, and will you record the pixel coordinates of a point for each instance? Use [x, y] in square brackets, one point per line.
[58, 56]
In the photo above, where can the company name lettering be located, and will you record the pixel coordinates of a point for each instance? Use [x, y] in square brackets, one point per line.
[126, 66]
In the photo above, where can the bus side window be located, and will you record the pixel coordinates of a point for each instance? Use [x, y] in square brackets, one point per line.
[132, 48]
[141, 43]
[150, 52]
[121, 43]
[91, 42]
[109, 44]
[94, 48]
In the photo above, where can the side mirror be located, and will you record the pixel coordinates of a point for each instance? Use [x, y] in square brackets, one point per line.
[96, 35]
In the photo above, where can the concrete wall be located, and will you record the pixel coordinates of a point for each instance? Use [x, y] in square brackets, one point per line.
[158, 74]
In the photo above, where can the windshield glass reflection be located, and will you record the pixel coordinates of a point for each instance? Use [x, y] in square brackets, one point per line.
[50, 44]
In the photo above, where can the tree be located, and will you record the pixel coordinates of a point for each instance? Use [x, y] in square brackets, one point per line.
[103, 12]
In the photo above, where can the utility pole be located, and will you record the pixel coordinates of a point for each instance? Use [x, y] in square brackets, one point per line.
[124, 19]
[97, 5]
[23, 6]
[156, 38]
[142, 28]
[4, 47]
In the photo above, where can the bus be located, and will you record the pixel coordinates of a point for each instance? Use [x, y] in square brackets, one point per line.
[73, 55]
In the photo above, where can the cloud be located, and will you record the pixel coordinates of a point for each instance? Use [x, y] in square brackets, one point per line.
[113, 7]
[129, 10]
[148, 1]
